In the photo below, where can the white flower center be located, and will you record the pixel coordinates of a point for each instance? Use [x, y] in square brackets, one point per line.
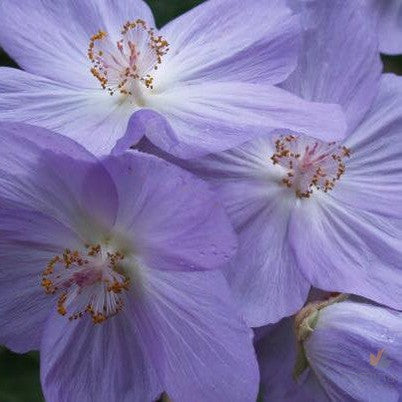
[310, 163]
[125, 67]
[91, 283]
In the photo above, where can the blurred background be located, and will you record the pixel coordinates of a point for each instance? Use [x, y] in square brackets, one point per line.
[19, 374]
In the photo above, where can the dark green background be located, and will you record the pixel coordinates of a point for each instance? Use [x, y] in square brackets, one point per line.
[19, 374]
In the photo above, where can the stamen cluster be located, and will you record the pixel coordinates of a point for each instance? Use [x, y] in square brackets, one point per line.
[87, 284]
[117, 66]
[311, 164]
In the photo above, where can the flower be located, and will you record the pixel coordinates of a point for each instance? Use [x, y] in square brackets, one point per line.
[348, 351]
[388, 16]
[109, 268]
[196, 86]
[310, 212]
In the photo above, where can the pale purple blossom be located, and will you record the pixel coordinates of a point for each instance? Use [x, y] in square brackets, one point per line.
[197, 85]
[109, 269]
[313, 213]
[316, 213]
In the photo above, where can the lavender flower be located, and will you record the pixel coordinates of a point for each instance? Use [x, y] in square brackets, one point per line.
[347, 351]
[310, 212]
[388, 16]
[90, 65]
[108, 269]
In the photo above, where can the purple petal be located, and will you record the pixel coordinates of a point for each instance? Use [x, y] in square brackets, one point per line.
[147, 124]
[213, 117]
[208, 353]
[28, 241]
[84, 362]
[354, 230]
[163, 340]
[51, 38]
[269, 285]
[264, 276]
[49, 173]
[388, 15]
[339, 61]
[373, 178]
[88, 116]
[231, 41]
[175, 220]
[347, 250]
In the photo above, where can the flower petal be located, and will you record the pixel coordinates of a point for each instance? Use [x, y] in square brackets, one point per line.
[87, 116]
[208, 353]
[49, 173]
[348, 76]
[354, 231]
[373, 177]
[28, 241]
[340, 349]
[347, 250]
[213, 117]
[226, 40]
[51, 37]
[175, 220]
[389, 19]
[264, 276]
[84, 362]
[143, 124]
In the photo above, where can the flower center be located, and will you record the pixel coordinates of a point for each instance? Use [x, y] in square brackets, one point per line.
[310, 163]
[123, 66]
[86, 284]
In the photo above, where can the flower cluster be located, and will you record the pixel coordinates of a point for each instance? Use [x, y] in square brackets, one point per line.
[205, 212]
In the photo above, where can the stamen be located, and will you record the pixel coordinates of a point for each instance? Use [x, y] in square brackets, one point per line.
[87, 284]
[311, 164]
[131, 59]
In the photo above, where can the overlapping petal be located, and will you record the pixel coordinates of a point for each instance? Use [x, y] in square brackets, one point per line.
[265, 278]
[231, 41]
[49, 173]
[203, 114]
[81, 361]
[264, 275]
[373, 180]
[216, 116]
[180, 330]
[339, 61]
[184, 324]
[85, 115]
[208, 353]
[347, 250]
[354, 243]
[175, 220]
[28, 241]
